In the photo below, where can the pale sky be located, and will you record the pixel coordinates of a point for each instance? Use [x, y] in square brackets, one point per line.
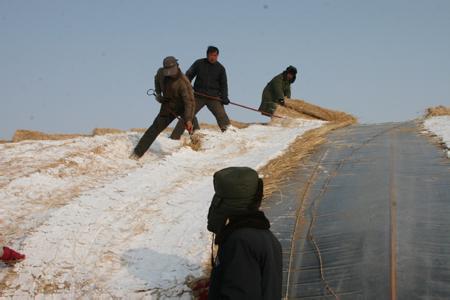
[71, 66]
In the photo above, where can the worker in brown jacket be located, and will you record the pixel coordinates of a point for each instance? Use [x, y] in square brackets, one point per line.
[175, 93]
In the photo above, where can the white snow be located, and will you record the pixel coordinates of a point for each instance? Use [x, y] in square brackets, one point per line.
[95, 224]
[440, 126]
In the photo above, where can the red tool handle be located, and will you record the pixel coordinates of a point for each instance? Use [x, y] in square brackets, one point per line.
[240, 105]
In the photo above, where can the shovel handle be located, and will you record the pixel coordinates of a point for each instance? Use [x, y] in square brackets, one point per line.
[240, 105]
[152, 92]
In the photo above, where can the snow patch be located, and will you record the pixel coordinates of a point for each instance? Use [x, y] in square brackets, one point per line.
[440, 126]
[119, 228]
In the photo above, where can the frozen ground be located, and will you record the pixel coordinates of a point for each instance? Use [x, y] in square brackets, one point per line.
[440, 126]
[95, 224]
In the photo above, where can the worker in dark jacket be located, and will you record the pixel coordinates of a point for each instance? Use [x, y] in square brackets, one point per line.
[249, 260]
[278, 88]
[174, 92]
[210, 80]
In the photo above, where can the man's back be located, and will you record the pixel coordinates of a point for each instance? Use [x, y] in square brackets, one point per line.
[249, 266]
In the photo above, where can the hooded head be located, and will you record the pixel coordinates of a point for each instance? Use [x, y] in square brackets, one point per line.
[238, 191]
[170, 66]
[291, 73]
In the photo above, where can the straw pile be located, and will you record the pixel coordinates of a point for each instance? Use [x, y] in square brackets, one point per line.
[104, 131]
[437, 111]
[278, 169]
[292, 113]
[194, 141]
[317, 112]
[21, 135]
[140, 130]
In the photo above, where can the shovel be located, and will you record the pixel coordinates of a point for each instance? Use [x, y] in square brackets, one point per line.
[240, 105]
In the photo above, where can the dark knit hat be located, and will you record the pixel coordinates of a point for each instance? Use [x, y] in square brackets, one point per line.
[292, 70]
[237, 185]
[238, 190]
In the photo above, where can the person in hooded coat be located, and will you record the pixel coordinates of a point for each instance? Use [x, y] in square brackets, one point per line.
[248, 264]
[278, 88]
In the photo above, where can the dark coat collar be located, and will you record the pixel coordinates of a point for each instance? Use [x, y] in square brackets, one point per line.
[255, 219]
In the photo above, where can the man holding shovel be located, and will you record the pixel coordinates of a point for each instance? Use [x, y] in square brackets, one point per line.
[210, 80]
[174, 92]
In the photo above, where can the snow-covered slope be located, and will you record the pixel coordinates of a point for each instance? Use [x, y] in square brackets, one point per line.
[440, 126]
[94, 223]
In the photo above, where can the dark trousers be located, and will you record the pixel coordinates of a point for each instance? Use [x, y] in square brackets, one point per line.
[214, 106]
[160, 123]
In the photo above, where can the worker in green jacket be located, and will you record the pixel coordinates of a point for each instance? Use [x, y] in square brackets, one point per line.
[278, 88]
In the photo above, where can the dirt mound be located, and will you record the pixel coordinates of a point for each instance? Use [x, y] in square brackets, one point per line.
[21, 135]
[437, 111]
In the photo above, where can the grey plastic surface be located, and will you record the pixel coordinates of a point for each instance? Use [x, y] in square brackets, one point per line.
[367, 217]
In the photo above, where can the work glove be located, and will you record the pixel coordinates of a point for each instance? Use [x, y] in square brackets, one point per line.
[225, 100]
[189, 127]
[281, 101]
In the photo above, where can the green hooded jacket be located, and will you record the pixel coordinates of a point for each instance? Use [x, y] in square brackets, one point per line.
[278, 88]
